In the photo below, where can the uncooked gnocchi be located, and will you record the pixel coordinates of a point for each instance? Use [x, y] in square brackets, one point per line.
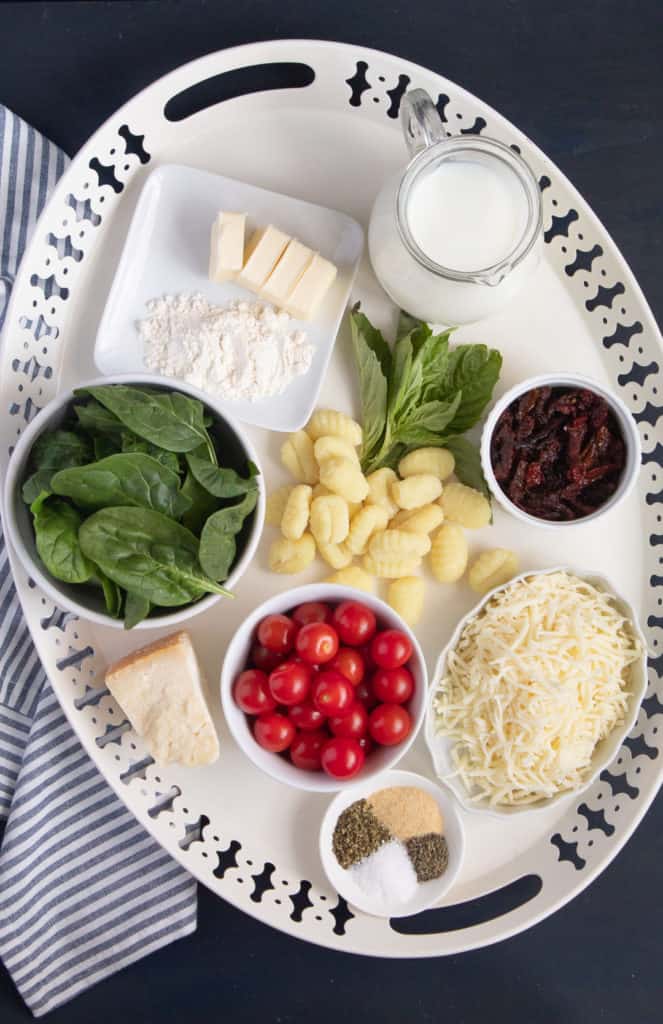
[398, 544]
[329, 421]
[465, 506]
[418, 520]
[298, 457]
[416, 491]
[437, 461]
[343, 477]
[355, 577]
[290, 556]
[296, 512]
[406, 597]
[391, 567]
[330, 446]
[330, 521]
[320, 490]
[338, 556]
[379, 490]
[363, 525]
[275, 505]
[448, 557]
[491, 569]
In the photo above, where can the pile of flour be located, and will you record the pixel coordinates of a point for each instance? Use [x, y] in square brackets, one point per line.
[243, 350]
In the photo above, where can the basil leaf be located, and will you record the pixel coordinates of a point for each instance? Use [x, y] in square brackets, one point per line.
[468, 463]
[427, 422]
[56, 526]
[147, 554]
[50, 452]
[217, 541]
[124, 479]
[135, 610]
[373, 361]
[168, 419]
[222, 483]
[203, 504]
[474, 370]
[406, 324]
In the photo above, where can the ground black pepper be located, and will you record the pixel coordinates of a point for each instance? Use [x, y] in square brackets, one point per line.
[357, 834]
[429, 855]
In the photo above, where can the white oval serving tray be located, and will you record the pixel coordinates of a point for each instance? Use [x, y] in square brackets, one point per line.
[329, 133]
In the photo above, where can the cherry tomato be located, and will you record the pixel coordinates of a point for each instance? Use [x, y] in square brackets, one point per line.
[392, 685]
[365, 652]
[366, 744]
[332, 693]
[251, 692]
[263, 659]
[306, 716]
[354, 622]
[290, 682]
[312, 611]
[389, 724]
[277, 633]
[306, 750]
[349, 663]
[352, 723]
[317, 643]
[273, 731]
[364, 693]
[391, 648]
[342, 758]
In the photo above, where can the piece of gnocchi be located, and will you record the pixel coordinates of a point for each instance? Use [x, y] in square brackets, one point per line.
[418, 520]
[355, 577]
[464, 505]
[363, 525]
[491, 569]
[436, 461]
[415, 491]
[448, 556]
[379, 489]
[320, 490]
[330, 520]
[398, 544]
[390, 567]
[345, 478]
[406, 597]
[275, 505]
[329, 421]
[298, 457]
[336, 555]
[289, 556]
[296, 512]
[330, 446]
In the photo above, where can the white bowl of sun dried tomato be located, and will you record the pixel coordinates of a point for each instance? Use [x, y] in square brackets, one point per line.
[560, 449]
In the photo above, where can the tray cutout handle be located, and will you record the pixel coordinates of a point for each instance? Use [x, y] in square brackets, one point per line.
[238, 82]
[472, 912]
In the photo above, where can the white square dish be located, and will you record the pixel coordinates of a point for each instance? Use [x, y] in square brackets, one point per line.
[167, 251]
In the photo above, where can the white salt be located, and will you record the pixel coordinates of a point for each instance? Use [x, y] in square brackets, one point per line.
[387, 875]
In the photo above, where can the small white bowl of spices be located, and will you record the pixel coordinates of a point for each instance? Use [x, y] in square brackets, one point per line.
[392, 846]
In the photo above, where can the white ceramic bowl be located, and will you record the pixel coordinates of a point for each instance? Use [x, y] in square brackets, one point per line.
[441, 746]
[428, 893]
[235, 661]
[88, 602]
[624, 418]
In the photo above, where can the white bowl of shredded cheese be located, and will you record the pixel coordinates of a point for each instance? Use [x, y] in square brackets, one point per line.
[536, 690]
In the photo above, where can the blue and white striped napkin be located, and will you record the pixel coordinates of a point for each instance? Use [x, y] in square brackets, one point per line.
[84, 890]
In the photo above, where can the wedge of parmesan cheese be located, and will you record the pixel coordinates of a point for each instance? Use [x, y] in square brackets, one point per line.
[160, 688]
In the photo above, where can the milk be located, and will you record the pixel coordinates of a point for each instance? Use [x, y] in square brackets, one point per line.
[466, 216]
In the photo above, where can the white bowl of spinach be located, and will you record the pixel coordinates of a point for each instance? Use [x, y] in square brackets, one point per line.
[132, 502]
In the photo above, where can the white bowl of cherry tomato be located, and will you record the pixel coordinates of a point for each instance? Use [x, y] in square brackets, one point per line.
[323, 685]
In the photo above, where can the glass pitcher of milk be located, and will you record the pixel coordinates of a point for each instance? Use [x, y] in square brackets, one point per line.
[454, 237]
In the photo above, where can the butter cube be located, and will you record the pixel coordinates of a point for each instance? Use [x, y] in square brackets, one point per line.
[264, 251]
[227, 246]
[311, 288]
[286, 273]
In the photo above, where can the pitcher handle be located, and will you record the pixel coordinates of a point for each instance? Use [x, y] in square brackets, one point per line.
[420, 120]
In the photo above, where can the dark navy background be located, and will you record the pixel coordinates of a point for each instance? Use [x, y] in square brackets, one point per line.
[584, 81]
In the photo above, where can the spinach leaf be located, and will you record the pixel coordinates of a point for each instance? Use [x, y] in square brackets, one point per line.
[147, 554]
[51, 452]
[125, 479]
[96, 419]
[222, 483]
[112, 593]
[168, 419]
[131, 443]
[56, 526]
[203, 504]
[473, 370]
[135, 610]
[217, 541]
[373, 361]
[468, 463]
[103, 446]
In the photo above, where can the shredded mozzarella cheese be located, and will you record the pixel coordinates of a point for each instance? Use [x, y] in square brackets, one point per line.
[536, 680]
